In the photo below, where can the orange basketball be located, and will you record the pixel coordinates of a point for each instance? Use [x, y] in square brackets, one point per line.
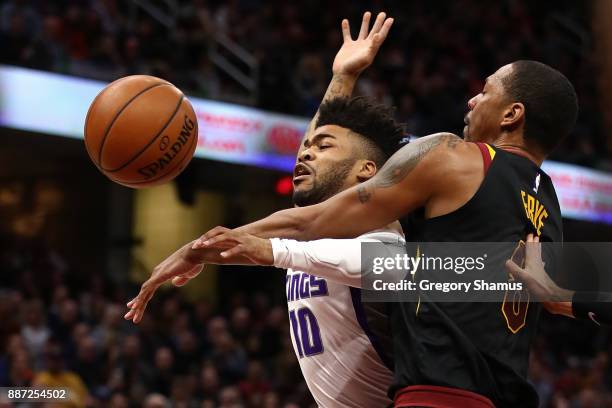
[141, 131]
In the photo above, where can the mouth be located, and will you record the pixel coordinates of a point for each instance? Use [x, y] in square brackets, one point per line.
[466, 120]
[301, 172]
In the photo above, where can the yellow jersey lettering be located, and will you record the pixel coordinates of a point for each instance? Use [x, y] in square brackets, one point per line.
[535, 211]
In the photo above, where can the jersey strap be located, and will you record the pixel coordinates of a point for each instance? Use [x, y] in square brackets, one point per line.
[488, 153]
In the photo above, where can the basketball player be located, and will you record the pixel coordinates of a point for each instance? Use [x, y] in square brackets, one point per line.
[477, 189]
[347, 142]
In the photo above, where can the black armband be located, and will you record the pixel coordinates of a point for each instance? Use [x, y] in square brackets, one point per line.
[594, 306]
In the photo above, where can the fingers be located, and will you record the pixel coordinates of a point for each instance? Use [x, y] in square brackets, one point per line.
[139, 303]
[382, 34]
[202, 241]
[218, 240]
[533, 250]
[380, 19]
[179, 281]
[183, 279]
[237, 250]
[346, 31]
[514, 270]
[365, 25]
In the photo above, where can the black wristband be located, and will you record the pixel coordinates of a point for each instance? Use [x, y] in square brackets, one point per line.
[594, 306]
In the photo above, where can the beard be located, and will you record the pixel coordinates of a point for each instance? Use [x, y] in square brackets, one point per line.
[327, 185]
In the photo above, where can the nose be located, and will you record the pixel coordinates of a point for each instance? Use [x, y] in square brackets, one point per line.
[472, 102]
[306, 155]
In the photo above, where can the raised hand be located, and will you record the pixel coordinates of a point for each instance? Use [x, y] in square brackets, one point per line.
[356, 55]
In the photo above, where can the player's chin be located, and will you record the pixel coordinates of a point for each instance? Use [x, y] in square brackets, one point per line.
[302, 183]
[466, 133]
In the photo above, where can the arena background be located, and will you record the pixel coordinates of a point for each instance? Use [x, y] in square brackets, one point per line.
[74, 246]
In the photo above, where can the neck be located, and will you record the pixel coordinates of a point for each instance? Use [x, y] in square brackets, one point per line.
[519, 149]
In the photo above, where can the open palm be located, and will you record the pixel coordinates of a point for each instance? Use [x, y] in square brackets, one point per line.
[356, 55]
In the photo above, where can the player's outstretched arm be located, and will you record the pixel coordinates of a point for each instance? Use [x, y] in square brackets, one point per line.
[596, 307]
[338, 260]
[409, 179]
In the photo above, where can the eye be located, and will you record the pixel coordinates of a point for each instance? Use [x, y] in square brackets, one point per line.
[323, 147]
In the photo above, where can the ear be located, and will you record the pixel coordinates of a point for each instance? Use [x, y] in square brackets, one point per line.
[514, 115]
[367, 170]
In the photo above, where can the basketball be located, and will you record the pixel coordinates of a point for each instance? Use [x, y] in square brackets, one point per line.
[141, 131]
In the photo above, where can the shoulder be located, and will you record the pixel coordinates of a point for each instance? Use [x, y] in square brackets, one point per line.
[446, 152]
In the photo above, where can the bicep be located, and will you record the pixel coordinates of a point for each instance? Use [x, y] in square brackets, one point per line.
[403, 184]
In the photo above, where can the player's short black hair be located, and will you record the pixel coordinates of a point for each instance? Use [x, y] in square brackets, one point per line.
[375, 122]
[551, 104]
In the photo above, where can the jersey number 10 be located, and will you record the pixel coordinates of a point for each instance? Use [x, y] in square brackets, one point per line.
[306, 332]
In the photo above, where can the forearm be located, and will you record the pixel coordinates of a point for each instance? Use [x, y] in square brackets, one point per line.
[340, 86]
[593, 306]
[290, 223]
[210, 256]
[333, 218]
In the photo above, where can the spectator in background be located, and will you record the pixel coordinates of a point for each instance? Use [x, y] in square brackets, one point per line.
[162, 373]
[255, 386]
[63, 323]
[230, 398]
[209, 385]
[89, 364]
[188, 354]
[229, 358]
[56, 376]
[310, 82]
[34, 331]
[156, 401]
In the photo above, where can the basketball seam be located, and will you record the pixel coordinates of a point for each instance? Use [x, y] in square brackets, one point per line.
[178, 106]
[93, 103]
[195, 140]
[112, 122]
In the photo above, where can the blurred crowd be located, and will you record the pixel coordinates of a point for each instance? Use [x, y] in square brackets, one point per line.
[436, 57]
[63, 330]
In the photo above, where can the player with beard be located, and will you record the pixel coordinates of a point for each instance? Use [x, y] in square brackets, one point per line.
[339, 351]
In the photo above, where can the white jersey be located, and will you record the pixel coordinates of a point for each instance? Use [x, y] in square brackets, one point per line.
[337, 351]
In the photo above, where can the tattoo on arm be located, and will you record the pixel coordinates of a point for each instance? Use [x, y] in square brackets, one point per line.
[363, 194]
[340, 86]
[405, 160]
[336, 88]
